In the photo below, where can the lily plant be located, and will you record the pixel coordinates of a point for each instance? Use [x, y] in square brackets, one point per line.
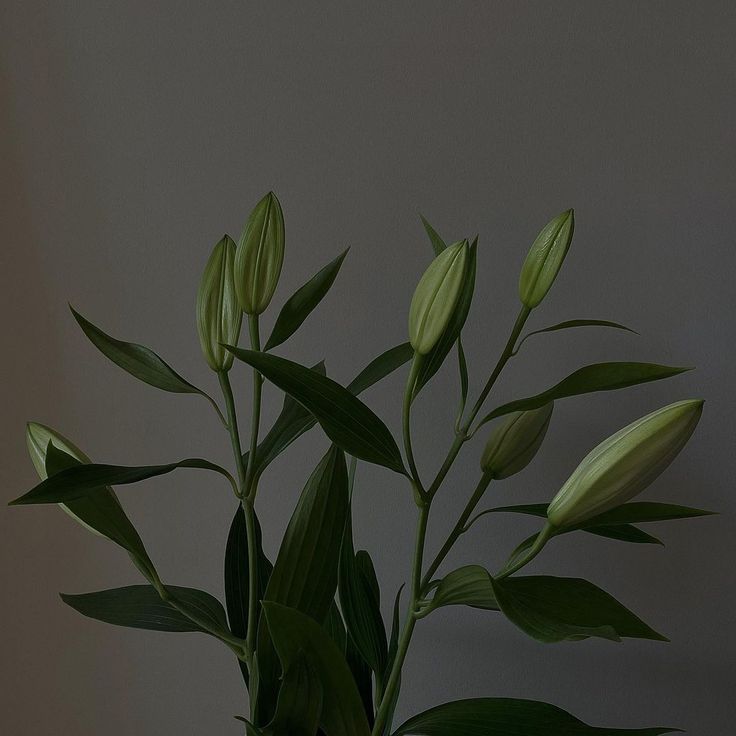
[307, 629]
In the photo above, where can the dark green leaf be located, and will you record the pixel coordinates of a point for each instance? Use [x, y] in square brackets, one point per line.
[552, 609]
[463, 368]
[294, 633]
[434, 359]
[140, 607]
[300, 701]
[639, 512]
[346, 420]
[303, 301]
[591, 378]
[575, 323]
[623, 533]
[393, 642]
[467, 586]
[508, 717]
[335, 627]
[380, 367]
[78, 481]
[438, 244]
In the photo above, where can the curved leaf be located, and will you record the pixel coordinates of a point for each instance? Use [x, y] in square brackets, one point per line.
[380, 367]
[508, 717]
[346, 420]
[590, 379]
[140, 607]
[299, 704]
[294, 634]
[299, 306]
[572, 323]
[467, 586]
[552, 609]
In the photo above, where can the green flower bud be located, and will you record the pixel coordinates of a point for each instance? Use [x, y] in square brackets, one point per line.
[436, 296]
[218, 312]
[625, 464]
[38, 437]
[545, 258]
[515, 442]
[260, 255]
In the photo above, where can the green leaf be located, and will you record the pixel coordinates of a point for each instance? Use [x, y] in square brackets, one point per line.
[591, 378]
[438, 244]
[295, 634]
[335, 627]
[623, 533]
[508, 717]
[552, 609]
[100, 509]
[434, 359]
[137, 360]
[575, 323]
[463, 369]
[639, 512]
[380, 367]
[300, 305]
[467, 586]
[140, 607]
[79, 480]
[300, 701]
[346, 420]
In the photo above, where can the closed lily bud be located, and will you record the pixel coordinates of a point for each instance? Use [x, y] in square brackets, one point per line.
[218, 312]
[436, 296]
[515, 442]
[260, 255]
[625, 464]
[38, 437]
[545, 258]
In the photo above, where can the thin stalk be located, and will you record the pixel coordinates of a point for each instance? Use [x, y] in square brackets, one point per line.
[251, 482]
[542, 538]
[406, 424]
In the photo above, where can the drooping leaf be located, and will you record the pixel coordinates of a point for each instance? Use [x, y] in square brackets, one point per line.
[575, 323]
[590, 379]
[346, 420]
[294, 633]
[79, 480]
[141, 607]
[438, 244]
[299, 705]
[303, 301]
[434, 359]
[552, 609]
[467, 586]
[138, 360]
[100, 510]
[508, 717]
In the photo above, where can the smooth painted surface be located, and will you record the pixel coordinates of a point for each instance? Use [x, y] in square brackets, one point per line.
[136, 133]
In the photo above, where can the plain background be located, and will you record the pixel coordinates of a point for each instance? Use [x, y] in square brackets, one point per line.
[136, 133]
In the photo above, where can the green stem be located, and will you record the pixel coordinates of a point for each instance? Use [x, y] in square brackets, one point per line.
[232, 425]
[406, 424]
[458, 529]
[251, 480]
[542, 538]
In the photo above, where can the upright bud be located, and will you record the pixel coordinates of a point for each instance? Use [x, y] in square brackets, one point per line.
[545, 258]
[218, 312]
[436, 296]
[515, 442]
[260, 255]
[625, 464]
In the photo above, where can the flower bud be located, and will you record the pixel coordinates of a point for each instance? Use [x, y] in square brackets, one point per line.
[545, 259]
[218, 312]
[38, 437]
[436, 296]
[625, 464]
[260, 255]
[515, 442]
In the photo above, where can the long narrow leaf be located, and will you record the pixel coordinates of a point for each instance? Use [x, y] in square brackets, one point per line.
[572, 323]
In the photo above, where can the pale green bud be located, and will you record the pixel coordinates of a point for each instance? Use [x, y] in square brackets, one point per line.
[514, 443]
[436, 296]
[218, 313]
[260, 255]
[38, 437]
[625, 464]
[545, 258]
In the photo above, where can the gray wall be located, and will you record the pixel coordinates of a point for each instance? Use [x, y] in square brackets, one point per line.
[135, 133]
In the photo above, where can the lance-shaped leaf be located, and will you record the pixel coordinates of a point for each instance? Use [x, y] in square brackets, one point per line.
[294, 634]
[346, 420]
[434, 359]
[384, 365]
[552, 609]
[138, 360]
[300, 305]
[141, 607]
[507, 716]
[572, 323]
[299, 705]
[590, 379]
[438, 244]
[335, 627]
[467, 586]
[79, 480]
